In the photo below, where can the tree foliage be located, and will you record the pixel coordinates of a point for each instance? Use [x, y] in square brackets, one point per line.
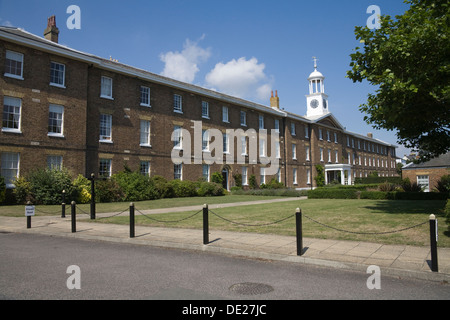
[407, 60]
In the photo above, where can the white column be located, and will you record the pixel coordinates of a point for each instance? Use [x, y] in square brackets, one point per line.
[342, 177]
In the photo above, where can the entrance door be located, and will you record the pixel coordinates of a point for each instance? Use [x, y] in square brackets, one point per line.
[225, 178]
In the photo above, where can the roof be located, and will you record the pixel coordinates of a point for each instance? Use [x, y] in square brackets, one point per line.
[22, 37]
[443, 161]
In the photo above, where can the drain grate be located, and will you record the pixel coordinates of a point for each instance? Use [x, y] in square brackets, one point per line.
[249, 289]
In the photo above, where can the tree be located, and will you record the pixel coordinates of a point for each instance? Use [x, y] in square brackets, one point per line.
[408, 60]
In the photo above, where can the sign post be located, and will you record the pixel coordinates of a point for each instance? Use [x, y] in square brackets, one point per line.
[29, 212]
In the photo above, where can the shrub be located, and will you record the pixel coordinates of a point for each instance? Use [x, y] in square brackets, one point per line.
[447, 214]
[443, 185]
[108, 190]
[2, 190]
[252, 182]
[210, 189]
[238, 179]
[409, 186]
[320, 178]
[135, 186]
[160, 188]
[386, 186]
[45, 186]
[83, 187]
[217, 178]
[273, 184]
[183, 188]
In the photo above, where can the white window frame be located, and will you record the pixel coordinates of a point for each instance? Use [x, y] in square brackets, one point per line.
[145, 133]
[105, 128]
[205, 140]
[177, 103]
[225, 115]
[178, 141]
[277, 125]
[261, 122]
[57, 72]
[245, 176]
[206, 168]
[17, 58]
[54, 162]
[16, 105]
[106, 89]
[293, 133]
[262, 175]
[178, 171]
[243, 118]
[205, 109]
[424, 182]
[55, 121]
[307, 153]
[145, 96]
[294, 176]
[294, 151]
[226, 143]
[104, 169]
[145, 168]
[10, 166]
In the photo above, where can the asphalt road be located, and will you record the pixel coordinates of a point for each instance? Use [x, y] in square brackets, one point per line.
[35, 267]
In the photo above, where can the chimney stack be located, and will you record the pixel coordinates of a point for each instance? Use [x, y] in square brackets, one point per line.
[275, 101]
[370, 135]
[51, 32]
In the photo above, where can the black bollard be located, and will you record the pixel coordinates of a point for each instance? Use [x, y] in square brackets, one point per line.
[63, 205]
[299, 231]
[433, 243]
[205, 225]
[131, 220]
[73, 215]
[92, 196]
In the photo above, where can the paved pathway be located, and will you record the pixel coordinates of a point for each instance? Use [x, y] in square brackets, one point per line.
[395, 260]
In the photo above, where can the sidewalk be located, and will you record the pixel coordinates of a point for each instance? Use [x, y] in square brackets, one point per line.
[395, 260]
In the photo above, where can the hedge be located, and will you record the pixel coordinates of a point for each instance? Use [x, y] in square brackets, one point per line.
[324, 193]
[447, 214]
[398, 195]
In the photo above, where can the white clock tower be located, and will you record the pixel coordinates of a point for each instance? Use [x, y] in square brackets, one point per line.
[317, 100]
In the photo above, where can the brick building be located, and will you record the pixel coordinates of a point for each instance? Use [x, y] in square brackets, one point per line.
[428, 173]
[63, 107]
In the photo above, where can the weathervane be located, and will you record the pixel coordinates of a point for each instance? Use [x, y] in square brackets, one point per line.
[315, 62]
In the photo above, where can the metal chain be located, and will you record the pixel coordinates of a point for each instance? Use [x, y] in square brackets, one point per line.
[82, 211]
[116, 214]
[174, 221]
[252, 225]
[369, 233]
[37, 209]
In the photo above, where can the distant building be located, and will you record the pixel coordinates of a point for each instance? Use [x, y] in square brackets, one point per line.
[66, 108]
[427, 174]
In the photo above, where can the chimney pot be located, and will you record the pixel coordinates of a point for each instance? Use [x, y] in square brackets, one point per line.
[51, 32]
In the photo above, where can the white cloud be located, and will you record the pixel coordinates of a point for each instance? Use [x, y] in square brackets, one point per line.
[5, 23]
[183, 65]
[242, 78]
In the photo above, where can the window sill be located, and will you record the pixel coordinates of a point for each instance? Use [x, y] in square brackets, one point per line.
[178, 111]
[7, 130]
[145, 105]
[13, 76]
[57, 85]
[106, 141]
[145, 145]
[55, 135]
[107, 97]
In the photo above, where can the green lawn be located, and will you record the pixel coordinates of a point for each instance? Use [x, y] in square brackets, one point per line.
[356, 216]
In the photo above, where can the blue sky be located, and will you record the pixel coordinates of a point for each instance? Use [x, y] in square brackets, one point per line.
[245, 48]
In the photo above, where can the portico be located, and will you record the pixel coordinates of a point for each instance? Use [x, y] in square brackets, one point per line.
[333, 171]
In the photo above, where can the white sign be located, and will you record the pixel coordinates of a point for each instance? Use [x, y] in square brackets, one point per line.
[29, 211]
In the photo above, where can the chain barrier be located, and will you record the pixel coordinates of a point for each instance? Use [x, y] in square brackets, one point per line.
[82, 211]
[366, 233]
[251, 225]
[114, 215]
[173, 221]
[46, 212]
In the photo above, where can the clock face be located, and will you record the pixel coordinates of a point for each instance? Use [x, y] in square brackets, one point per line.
[324, 103]
[314, 103]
